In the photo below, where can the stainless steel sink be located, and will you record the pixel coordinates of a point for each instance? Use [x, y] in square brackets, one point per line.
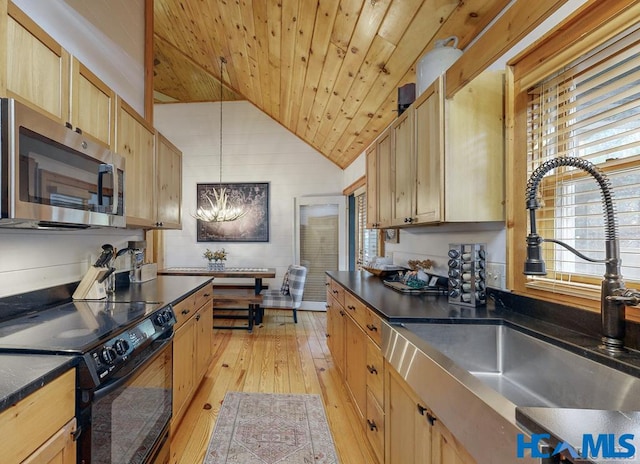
[531, 372]
[474, 377]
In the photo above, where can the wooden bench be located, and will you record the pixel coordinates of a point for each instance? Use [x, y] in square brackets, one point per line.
[236, 298]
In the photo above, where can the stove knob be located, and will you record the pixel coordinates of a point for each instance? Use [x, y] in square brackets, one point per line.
[108, 355]
[163, 317]
[121, 346]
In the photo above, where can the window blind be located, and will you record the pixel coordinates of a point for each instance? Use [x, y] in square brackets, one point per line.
[366, 239]
[589, 109]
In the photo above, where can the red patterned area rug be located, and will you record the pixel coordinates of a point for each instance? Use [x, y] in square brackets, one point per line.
[271, 428]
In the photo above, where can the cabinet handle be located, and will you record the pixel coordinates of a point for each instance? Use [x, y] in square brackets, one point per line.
[372, 369]
[327, 306]
[431, 419]
[342, 313]
[421, 409]
[351, 308]
[327, 335]
[198, 317]
[372, 425]
[185, 311]
[372, 328]
[207, 295]
[327, 283]
[334, 291]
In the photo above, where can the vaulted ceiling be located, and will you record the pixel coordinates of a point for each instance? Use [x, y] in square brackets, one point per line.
[327, 70]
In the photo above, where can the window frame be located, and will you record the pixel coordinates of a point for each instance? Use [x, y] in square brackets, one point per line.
[589, 27]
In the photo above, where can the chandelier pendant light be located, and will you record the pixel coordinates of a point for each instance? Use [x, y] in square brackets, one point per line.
[219, 208]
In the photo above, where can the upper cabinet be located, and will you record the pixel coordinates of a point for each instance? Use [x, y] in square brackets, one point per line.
[37, 67]
[379, 181]
[135, 142]
[44, 76]
[168, 183]
[93, 105]
[446, 158]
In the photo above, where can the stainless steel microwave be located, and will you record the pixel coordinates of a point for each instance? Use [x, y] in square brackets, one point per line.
[54, 177]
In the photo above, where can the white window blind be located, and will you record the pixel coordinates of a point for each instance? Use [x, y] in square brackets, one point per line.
[366, 239]
[590, 109]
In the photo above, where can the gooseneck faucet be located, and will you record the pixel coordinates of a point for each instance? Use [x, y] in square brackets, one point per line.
[614, 296]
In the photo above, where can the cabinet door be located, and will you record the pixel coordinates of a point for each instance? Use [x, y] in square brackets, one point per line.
[135, 142]
[404, 169]
[385, 179]
[37, 67]
[59, 449]
[169, 183]
[372, 186]
[408, 433]
[204, 340]
[429, 150]
[183, 367]
[336, 318]
[93, 105]
[446, 449]
[355, 371]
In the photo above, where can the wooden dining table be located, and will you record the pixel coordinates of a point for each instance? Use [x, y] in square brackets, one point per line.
[255, 273]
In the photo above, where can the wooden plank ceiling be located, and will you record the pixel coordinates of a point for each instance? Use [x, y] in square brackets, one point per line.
[327, 70]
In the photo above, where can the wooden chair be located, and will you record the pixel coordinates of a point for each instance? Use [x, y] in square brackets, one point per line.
[236, 299]
[289, 296]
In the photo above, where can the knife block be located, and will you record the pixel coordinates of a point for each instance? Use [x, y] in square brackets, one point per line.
[91, 287]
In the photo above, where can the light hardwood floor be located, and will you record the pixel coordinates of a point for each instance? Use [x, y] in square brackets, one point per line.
[278, 357]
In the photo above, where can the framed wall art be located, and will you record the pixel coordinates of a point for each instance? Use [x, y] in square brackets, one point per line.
[251, 198]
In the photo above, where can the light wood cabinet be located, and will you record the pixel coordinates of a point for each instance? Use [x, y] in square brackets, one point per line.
[404, 169]
[355, 373]
[446, 158]
[192, 348]
[36, 67]
[44, 76]
[93, 105]
[379, 182]
[413, 434]
[336, 319]
[168, 195]
[353, 331]
[40, 428]
[135, 142]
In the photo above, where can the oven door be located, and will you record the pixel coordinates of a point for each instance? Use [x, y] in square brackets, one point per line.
[129, 416]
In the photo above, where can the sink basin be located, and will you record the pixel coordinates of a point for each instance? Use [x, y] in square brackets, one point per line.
[528, 371]
[474, 377]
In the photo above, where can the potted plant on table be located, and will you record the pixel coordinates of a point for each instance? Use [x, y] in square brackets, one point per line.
[216, 259]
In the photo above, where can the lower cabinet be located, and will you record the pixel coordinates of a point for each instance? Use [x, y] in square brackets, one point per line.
[192, 348]
[40, 428]
[413, 433]
[353, 339]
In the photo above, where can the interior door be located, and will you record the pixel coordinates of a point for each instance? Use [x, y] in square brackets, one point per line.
[320, 243]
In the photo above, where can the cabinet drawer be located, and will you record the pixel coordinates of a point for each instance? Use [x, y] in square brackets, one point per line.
[338, 292]
[202, 296]
[374, 426]
[357, 310]
[373, 326]
[375, 372]
[187, 307]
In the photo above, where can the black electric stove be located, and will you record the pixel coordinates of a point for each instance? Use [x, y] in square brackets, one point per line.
[105, 333]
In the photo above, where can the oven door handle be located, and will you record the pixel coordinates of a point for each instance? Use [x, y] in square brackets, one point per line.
[115, 384]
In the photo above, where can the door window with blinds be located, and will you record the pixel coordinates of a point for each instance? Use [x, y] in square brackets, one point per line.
[589, 108]
[366, 240]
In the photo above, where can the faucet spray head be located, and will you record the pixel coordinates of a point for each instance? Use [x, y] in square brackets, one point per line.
[534, 264]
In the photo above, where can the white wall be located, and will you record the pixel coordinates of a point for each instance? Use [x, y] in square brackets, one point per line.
[255, 149]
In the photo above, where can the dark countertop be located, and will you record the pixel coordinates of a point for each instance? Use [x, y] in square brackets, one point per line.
[568, 328]
[22, 374]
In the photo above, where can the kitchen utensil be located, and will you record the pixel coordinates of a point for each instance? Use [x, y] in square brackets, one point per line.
[105, 256]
